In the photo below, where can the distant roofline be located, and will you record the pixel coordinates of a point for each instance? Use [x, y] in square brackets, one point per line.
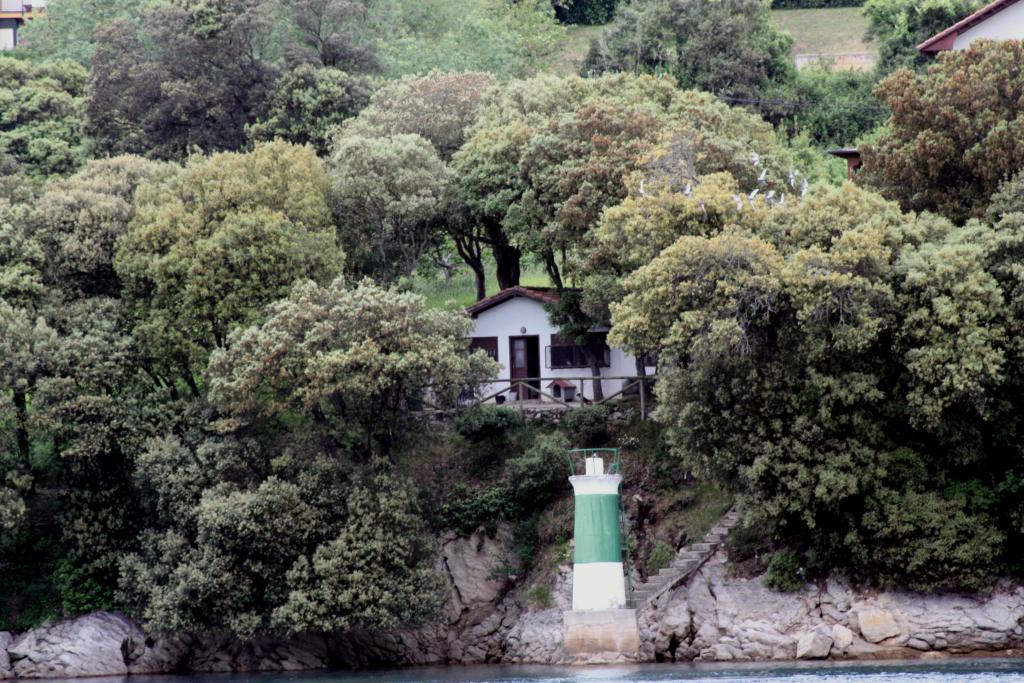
[944, 39]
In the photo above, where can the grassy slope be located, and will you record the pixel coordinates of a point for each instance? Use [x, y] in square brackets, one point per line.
[825, 31]
[460, 291]
[574, 51]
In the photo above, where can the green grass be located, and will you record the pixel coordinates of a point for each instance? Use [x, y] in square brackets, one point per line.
[575, 48]
[825, 31]
[460, 291]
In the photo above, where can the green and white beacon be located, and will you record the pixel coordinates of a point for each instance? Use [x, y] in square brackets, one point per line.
[600, 627]
[598, 578]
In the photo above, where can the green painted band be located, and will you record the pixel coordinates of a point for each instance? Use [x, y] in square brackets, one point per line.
[597, 529]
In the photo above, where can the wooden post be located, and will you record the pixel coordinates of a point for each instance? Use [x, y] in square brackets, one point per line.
[643, 399]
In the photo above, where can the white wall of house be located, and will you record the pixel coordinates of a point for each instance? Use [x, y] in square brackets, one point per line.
[511, 317]
[8, 35]
[1008, 24]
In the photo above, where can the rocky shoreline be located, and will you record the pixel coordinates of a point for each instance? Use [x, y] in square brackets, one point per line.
[713, 617]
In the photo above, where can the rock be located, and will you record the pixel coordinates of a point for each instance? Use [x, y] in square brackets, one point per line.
[876, 625]
[92, 645]
[842, 637]
[5, 661]
[814, 645]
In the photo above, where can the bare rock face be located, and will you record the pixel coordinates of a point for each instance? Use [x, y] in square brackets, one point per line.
[814, 644]
[93, 645]
[716, 617]
[876, 625]
[5, 661]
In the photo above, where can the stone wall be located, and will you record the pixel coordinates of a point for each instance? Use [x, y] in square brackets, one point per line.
[714, 617]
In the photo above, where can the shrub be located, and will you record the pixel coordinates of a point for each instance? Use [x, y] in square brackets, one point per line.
[814, 4]
[540, 596]
[660, 556]
[468, 511]
[785, 572]
[587, 426]
[585, 11]
[540, 473]
[484, 423]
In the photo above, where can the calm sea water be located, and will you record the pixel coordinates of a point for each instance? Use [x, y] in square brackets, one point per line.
[965, 670]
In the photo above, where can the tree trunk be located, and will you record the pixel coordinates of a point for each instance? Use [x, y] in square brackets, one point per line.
[21, 418]
[595, 371]
[470, 251]
[507, 259]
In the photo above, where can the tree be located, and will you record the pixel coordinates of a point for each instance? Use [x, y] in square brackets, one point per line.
[953, 135]
[307, 104]
[334, 34]
[277, 509]
[585, 11]
[438, 107]
[41, 116]
[727, 47]
[388, 195]
[79, 220]
[188, 79]
[70, 28]
[842, 366]
[208, 248]
[900, 26]
[509, 40]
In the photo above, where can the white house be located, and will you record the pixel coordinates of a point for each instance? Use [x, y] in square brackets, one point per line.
[513, 328]
[13, 14]
[999, 20]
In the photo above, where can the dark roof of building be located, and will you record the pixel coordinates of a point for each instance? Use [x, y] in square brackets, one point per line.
[545, 295]
[944, 39]
[845, 152]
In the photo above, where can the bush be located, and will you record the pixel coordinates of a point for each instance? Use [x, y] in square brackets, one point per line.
[585, 11]
[468, 511]
[484, 423]
[814, 4]
[660, 556]
[540, 473]
[540, 596]
[587, 426]
[785, 572]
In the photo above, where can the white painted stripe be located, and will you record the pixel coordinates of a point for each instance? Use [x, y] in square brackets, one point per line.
[605, 483]
[598, 585]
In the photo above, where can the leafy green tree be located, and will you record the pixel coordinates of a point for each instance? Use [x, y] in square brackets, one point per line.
[509, 40]
[438, 107]
[953, 136]
[276, 510]
[70, 28]
[78, 221]
[333, 33]
[388, 197]
[209, 247]
[308, 103]
[843, 366]
[41, 108]
[727, 47]
[186, 79]
[900, 26]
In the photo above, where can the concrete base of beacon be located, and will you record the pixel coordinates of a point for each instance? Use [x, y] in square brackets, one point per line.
[601, 635]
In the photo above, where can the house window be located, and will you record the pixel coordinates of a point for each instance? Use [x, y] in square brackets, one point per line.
[565, 354]
[487, 344]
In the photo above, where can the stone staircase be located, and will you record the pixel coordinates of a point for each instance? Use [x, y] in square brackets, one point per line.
[687, 561]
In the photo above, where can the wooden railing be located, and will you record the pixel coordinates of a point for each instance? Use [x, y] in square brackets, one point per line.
[525, 392]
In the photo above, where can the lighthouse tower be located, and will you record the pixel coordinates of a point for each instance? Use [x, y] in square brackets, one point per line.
[600, 627]
[598, 580]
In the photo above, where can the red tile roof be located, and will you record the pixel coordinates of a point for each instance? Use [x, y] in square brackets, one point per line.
[546, 295]
[944, 40]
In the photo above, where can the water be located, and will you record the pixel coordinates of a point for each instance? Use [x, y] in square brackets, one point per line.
[957, 671]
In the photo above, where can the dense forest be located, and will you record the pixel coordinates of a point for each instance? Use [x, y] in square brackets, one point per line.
[220, 223]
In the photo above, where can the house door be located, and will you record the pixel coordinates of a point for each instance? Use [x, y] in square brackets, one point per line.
[524, 354]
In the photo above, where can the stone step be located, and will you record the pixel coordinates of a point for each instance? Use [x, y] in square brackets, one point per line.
[704, 547]
[685, 566]
[690, 554]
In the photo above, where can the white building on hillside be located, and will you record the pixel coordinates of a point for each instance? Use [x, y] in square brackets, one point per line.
[999, 20]
[514, 329]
